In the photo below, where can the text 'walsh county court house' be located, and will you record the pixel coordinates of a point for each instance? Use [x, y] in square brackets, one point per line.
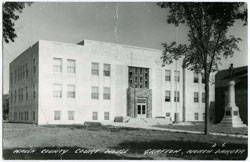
[60, 83]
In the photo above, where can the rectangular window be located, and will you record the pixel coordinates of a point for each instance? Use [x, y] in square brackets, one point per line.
[34, 91]
[21, 94]
[71, 115]
[18, 74]
[27, 93]
[15, 96]
[15, 75]
[176, 96]
[95, 93]
[21, 115]
[27, 71]
[57, 115]
[94, 116]
[57, 64]
[35, 64]
[106, 69]
[138, 77]
[202, 78]
[71, 66]
[57, 90]
[168, 114]
[71, 91]
[21, 73]
[177, 76]
[167, 96]
[24, 71]
[203, 116]
[34, 115]
[196, 97]
[106, 115]
[167, 75]
[95, 68]
[196, 116]
[196, 77]
[15, 115]
[203, 98]
[26, 115]
[106, 93]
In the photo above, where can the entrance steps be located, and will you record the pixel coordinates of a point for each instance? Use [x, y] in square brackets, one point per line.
[146, 121]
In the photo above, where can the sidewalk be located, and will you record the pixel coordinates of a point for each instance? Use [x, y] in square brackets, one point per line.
[127, 125]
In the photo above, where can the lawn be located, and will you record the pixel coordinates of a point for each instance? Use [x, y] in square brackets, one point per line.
[215, 128]
[116, 143]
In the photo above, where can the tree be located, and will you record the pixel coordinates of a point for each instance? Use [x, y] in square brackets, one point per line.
[9, 18]
[208, 24]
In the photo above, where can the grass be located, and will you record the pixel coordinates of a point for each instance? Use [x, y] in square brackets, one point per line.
[109, 137]
[215, 128]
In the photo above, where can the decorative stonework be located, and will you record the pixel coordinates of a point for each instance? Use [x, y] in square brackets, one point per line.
[132, 95]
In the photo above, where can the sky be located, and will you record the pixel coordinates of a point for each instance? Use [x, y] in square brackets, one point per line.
[135, 23]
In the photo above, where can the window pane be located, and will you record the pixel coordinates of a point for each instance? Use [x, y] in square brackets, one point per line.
[196, 77]
[106, 93]
[94, 116]
[95, 68]
[106, 115]
[177, 76]
[57, 90]
[167, 96]
[57, 64]
[106, 69]
[176, 96]
[203, 77]
[196, 116]
[71, 66]
[94, 93]
[167, 75]
[71, 91]
[57, 115]
[203, 98]
[196, 97]
[71, 115]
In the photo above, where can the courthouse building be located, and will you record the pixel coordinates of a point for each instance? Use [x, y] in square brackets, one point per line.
[60, 83]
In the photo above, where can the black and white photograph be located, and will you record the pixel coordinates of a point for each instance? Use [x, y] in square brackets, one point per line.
[124, 80]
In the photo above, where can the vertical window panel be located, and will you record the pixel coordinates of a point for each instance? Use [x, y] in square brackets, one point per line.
[57, 64]
[106, 69]
[167, 96]
[57, 115]
[94, 92]
[95, 68]
[71, 91]
[71, 66]
[167, 75]
[57, 90]
[106, 93]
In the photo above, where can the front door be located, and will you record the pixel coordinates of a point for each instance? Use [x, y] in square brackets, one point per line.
[141, 110]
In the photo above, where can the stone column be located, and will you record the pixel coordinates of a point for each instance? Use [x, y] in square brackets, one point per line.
[231, 101]
[232, 115]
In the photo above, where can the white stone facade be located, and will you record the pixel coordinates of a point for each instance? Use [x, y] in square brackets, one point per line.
[43, 83]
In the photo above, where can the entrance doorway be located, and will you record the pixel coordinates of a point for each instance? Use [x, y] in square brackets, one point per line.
[141, 108]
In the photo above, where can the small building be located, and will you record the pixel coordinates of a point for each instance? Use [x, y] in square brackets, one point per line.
[60, 83]
[222, 79]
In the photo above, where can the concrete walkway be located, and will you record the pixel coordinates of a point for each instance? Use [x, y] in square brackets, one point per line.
[140, 126]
